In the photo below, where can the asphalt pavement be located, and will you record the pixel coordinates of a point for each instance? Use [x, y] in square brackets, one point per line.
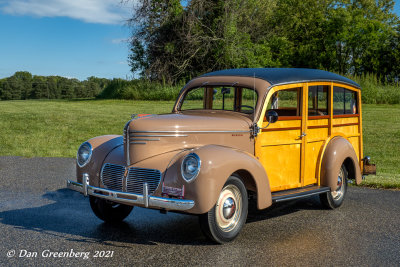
[44, 224]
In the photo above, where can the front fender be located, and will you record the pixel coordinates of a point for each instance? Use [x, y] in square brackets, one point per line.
[217, 164]
[337, 151]
[101, 147]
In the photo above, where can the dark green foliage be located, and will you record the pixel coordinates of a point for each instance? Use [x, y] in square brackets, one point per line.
[22, 85]
[174, 42]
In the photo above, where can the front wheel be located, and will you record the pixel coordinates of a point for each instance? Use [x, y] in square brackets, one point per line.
[109, 211]
[225, 220]
[334, 199]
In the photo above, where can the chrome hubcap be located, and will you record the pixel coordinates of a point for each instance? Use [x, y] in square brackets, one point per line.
[229, 208]
[338, 193]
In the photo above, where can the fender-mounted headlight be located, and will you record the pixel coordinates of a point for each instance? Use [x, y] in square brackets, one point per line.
[190, 167]
[84, 154]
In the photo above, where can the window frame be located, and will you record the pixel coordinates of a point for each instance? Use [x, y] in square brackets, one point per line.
[357, 101]
[299, 108]
[207, 98]
[328, 102]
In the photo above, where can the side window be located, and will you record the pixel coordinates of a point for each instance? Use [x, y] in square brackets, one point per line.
[286, 102]
[318, 100]
[344, 101]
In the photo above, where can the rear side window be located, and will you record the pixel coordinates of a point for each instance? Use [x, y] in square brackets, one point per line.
[318, 100]
[344, 101]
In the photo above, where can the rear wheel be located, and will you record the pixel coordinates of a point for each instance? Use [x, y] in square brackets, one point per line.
[225, 220]
[334, 199]
[109, 211]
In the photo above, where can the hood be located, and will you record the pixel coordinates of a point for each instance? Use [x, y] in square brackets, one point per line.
[192, 121]
[157, 134]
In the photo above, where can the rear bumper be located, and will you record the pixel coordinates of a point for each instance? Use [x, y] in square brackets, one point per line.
[368, 168]
[130, 198]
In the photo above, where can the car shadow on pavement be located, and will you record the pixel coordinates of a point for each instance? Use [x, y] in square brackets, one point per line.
[69, 216]
[282, 209]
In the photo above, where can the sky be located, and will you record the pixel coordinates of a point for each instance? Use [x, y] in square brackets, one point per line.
[70, 38]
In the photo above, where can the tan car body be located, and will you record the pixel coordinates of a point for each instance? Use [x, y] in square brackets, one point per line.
[223, 141]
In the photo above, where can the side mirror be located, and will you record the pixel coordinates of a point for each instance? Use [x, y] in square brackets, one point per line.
[271, 116]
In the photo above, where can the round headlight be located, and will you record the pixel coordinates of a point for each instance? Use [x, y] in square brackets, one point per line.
[84, 154]
[190, 167]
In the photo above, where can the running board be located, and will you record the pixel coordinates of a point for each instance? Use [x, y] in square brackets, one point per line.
[292, 194]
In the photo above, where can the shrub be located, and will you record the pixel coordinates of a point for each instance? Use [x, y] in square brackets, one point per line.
[373, 91]
[139, 90]
[376, 92]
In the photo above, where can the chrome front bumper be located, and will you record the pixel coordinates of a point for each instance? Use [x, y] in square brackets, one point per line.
[130, 198]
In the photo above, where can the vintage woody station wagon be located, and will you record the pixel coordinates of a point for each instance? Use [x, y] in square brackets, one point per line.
[270, 135]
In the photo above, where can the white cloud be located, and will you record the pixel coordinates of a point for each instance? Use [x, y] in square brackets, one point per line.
[120, 40]
[93, 11]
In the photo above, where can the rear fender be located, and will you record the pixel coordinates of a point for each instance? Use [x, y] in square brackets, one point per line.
[339, 151]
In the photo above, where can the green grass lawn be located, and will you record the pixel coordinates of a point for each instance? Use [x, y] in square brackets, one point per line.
[381, 132]
[41, 128]
[56, 128]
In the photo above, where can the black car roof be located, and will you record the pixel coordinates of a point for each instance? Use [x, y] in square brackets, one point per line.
[277, 76]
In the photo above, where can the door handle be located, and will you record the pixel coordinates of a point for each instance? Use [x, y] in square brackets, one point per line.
[302, 135]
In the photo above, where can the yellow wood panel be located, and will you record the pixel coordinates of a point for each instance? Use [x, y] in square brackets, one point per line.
[319, 134]
[312, 153]
[282, 124]
[352, 130]
[283, 136]
[317, 122]
[282, 164]
[280, 138]
[345, 120]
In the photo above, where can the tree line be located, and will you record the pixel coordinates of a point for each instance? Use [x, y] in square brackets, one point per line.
[175, 40]
[24, 85]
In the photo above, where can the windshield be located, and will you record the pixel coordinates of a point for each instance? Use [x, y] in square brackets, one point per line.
[236, 99]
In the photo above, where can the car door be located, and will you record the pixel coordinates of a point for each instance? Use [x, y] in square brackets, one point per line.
[318, 128]
[280, 146]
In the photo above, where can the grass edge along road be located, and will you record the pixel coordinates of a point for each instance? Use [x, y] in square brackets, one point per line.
[56, 128]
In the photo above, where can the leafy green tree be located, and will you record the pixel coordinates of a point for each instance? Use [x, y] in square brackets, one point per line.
[39, 88]
[172, 42]
[22, 85]
[5, 90]
[23, 80]
[54, 90]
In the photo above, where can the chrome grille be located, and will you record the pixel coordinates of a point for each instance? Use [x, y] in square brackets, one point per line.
[138, 176]
[112, 176]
